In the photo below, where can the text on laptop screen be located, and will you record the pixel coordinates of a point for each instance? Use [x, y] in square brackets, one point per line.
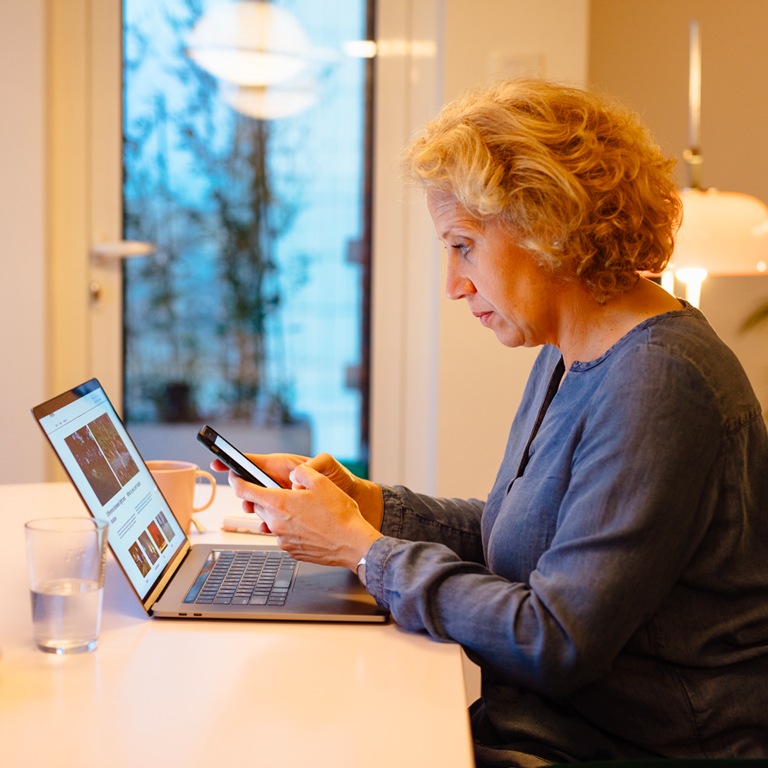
[115, 484]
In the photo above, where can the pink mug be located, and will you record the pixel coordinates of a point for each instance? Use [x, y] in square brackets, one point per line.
[177, 481]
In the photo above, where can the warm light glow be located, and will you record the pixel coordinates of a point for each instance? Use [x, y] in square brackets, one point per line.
[360, 49]
[250, 43]
[692, 278]
[668, 281]
[270, 103]
[722, 233]
[725, 233]
[401, 48]
[262, 57]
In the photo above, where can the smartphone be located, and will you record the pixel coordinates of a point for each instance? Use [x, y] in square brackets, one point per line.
[227, 454]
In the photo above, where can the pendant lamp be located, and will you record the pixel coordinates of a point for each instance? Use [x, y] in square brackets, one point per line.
[722, 233]
[261, 56]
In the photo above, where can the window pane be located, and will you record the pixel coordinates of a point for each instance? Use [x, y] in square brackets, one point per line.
[251, 315]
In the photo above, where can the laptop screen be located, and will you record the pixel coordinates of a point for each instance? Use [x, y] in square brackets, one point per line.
[113, 481]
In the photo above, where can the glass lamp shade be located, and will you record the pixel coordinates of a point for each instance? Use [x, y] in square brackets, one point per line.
[724, 233]
[250, 44]
[270, 103]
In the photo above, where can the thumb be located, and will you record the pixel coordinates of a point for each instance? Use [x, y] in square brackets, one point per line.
[304, 476]
[336, 472]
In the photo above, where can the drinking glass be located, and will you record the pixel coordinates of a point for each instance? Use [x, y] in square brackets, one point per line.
[66, 558]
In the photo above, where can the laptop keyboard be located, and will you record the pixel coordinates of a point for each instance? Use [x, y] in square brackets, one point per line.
[234, 577]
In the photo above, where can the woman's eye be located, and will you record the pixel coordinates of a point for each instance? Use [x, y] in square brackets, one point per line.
[461, 248]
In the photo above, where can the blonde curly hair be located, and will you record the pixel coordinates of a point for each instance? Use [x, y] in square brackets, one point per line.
[574, 176]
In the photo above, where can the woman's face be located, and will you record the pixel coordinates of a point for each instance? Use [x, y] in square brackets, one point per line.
[502, 284]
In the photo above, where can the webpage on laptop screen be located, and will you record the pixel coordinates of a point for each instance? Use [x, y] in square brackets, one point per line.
[116, 485]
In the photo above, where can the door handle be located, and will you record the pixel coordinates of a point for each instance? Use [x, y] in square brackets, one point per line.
[107, 255]
[120, 249]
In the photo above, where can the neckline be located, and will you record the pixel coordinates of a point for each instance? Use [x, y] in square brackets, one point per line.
[686, 310]
[552, 389]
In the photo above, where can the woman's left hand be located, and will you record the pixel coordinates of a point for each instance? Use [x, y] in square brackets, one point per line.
[314, 521]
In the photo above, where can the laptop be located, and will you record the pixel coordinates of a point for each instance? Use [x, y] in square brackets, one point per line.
[172, 577]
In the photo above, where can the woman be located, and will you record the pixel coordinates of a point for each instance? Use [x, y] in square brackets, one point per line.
[613, 588]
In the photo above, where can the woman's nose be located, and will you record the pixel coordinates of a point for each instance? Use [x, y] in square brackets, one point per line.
[457, 284]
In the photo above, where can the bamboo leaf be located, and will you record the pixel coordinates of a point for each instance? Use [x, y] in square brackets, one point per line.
[758, 317]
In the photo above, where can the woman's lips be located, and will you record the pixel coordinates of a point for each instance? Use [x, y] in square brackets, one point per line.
[483, 317]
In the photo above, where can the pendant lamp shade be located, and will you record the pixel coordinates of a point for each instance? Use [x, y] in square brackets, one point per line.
[263, 59]
[724, 233]
[250, 44]
[270, 103]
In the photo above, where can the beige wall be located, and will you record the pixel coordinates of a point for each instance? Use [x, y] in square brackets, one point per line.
[639, 53]
[22, 224]
[480, 382]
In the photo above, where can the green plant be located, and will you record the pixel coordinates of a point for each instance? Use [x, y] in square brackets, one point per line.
[201, 183]
[758, 317]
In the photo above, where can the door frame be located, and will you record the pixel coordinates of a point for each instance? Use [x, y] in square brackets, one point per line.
[85, 204]
[85, 197]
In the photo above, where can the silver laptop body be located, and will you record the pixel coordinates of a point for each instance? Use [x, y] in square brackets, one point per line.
[161, 563]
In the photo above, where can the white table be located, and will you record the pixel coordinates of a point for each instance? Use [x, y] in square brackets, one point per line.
[196, 693]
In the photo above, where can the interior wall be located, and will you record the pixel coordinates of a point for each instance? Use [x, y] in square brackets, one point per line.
[404, 315]
[480, 382]
[22, 222]
[639, 53]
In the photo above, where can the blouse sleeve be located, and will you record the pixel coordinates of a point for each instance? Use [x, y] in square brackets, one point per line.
[454, 523]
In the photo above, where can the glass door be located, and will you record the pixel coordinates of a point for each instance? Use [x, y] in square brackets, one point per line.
[254, 185]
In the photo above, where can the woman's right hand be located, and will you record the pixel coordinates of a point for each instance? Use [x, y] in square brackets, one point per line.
[366, 494]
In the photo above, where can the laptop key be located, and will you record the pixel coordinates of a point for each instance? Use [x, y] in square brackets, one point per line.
[240, 581]
[283, 578]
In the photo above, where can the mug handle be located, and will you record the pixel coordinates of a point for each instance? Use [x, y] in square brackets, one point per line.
[212, 481]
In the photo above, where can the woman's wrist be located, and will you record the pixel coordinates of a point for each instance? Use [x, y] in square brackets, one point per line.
[370, 501]
[360, 548]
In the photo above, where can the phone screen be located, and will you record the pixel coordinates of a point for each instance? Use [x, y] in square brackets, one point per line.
[235, 459]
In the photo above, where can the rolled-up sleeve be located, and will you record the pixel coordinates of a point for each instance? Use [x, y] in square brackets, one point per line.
[426, 541]
[416, 517]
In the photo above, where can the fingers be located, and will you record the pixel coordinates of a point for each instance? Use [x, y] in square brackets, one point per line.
[324, 463]
[336, 472]
[248, 508]
[276, 465]
[219, 466]
[255, 496]
[307, 477]
[314, 519]
[281, 465]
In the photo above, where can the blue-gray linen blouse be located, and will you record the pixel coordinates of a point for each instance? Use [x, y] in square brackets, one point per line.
[615, 594]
